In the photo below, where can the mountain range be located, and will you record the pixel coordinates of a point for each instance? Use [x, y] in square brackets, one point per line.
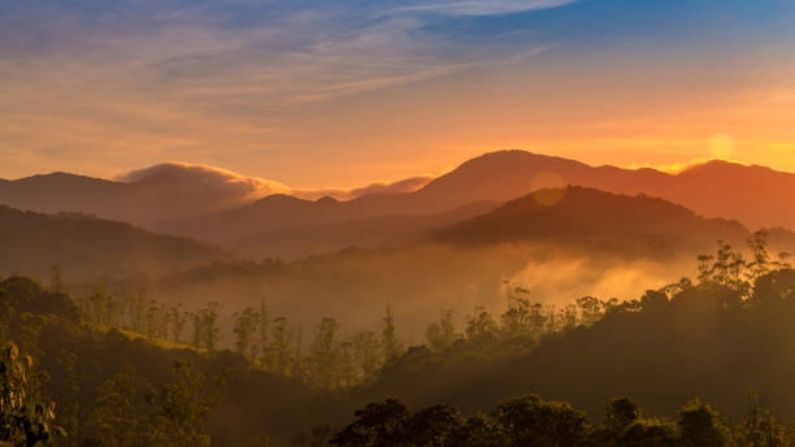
[752, 195]
[263, 218]
[162, 192]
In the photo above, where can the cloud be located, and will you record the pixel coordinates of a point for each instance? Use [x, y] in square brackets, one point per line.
[215, 181]
[127, 81]
[199, 178]
[400, 186]
[483, 8]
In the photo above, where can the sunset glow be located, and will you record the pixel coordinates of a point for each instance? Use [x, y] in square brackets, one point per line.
[378, 92]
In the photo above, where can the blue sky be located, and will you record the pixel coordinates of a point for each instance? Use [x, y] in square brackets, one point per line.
[326, 93]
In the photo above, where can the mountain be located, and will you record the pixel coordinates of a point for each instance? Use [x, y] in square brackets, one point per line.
[87, 247]
[754, 195]
[165, 192]
[161, 192]
[61, 191]
[225, 208]
[380, 231]
[588, 218]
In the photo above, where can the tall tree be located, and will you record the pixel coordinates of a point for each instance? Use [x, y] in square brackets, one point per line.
[390, 345]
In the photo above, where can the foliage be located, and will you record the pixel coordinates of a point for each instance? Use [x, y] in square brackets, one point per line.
[25, 418]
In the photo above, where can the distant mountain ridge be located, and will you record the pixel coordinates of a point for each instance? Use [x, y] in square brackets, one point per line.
[754, 195]
[86, 247]
[164, 192]
[757, 197]
[589, 218]
[221, 208]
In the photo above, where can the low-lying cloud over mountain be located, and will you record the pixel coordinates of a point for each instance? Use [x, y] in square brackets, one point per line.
[165, 192]
[205, 179]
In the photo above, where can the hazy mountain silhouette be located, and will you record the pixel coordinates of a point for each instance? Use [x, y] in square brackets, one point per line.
[586, 217]
[32, 243]
[161, 192]
[753, 195]
[223, 207]
[164, 192]
[380, 231]
[401, 186]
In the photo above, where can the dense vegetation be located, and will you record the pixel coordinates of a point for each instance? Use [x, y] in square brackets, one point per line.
[530, 420]
[127, 371]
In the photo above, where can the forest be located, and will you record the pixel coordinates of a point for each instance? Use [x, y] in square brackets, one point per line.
[703, 361]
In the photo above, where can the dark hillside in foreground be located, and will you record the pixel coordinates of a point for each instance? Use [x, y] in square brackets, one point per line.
[707, 340]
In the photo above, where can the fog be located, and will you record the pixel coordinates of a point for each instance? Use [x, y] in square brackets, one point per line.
[420, 282]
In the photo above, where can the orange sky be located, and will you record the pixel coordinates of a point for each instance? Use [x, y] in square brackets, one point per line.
[358, 99]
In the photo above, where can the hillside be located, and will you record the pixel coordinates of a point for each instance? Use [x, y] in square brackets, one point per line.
[369, 232]
[84, 246]
[587, 217]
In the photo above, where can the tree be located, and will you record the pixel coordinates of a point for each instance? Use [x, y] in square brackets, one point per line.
[366, 353]
[205, 327]
[531, 421]
[263, 326]
[621, 413]
[648, 432]
[590, 310]
[700, 426]
[761, 428]
[245, 329]
[25, 419]
[516, 320]
[390, 345]
[181, 409]
[433, 426]
[441, 335]
[324, 354]
[179, 319]
[481, 327]
[278, 357]
[119, 417]
[479, 431]
[725, 268]
[760, 264]
[377, 425]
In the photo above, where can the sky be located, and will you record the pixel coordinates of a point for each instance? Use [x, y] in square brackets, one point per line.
[340, 93]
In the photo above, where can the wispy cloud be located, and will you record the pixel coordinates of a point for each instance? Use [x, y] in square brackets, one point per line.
[481, 7]
[163, 78]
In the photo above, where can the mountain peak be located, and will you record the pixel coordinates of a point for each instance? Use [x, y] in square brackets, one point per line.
[519, 155]
[327, 200]
[60, 178]
[500, 176]
[717, 164]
